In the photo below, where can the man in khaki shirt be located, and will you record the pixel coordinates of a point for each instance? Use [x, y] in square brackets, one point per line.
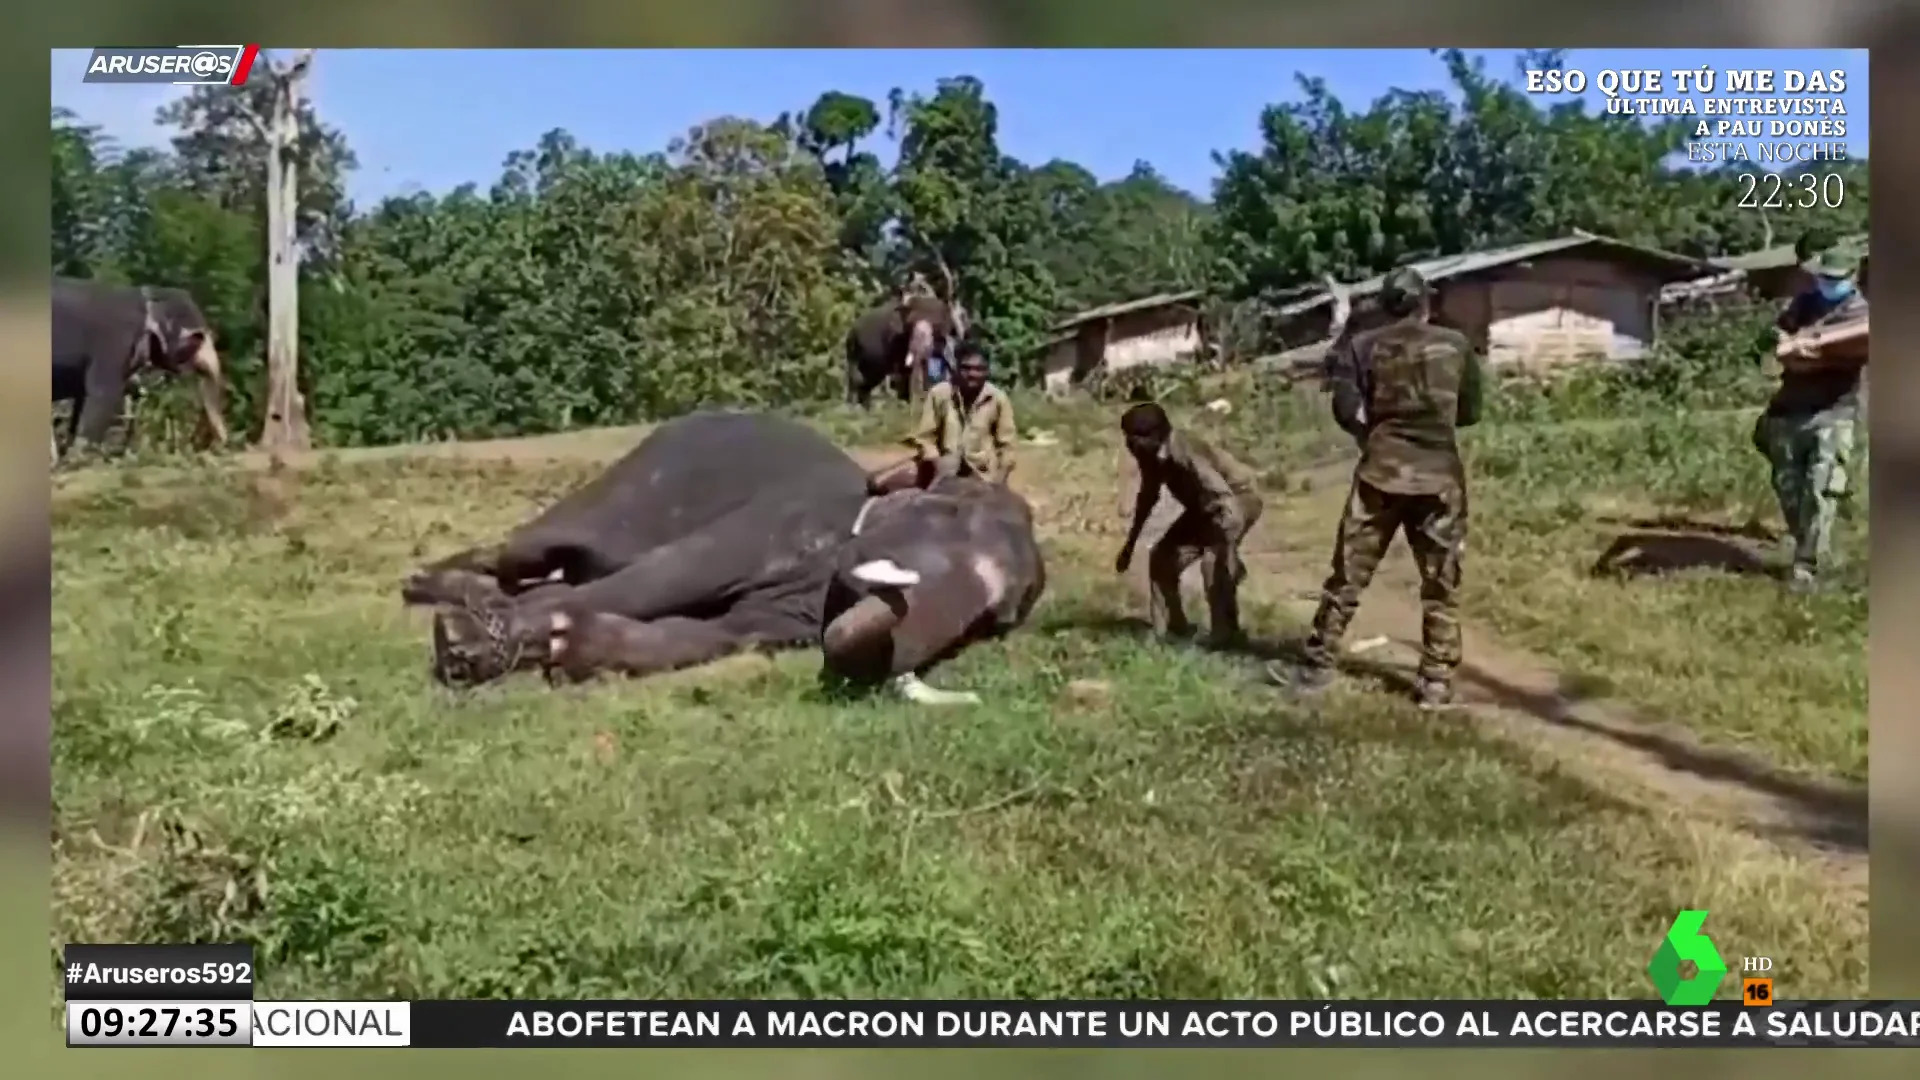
[967, 427]
[1219, 501]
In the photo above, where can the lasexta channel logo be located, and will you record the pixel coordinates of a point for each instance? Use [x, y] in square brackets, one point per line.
[1685, 941]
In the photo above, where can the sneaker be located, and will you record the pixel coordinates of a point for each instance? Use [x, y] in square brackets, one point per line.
[1433, 694]
[1303, 680]
[1802, 581]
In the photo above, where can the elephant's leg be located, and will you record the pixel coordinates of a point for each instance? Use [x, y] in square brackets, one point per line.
[456, 579]
[73, 425]
[699, 571]
[856, 382]
[486, 634]
[494, 570]
[588, 644]
[130, 420]
[868, 384]
[112, 356]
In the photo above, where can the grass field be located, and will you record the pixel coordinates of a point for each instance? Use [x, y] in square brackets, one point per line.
[248, 745]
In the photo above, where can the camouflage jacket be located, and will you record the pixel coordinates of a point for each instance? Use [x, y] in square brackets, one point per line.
[1402, 390]
[1201, 477]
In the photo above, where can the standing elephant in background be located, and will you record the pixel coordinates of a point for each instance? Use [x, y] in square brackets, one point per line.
[894, 340]
[105, 336]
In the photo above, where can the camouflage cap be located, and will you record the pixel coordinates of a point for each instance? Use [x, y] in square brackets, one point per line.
[1835, 260]
[1402, 289]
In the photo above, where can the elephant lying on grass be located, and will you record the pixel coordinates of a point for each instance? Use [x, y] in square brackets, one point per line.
[723, 532]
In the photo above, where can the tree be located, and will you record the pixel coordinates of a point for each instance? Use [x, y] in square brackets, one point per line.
[967, 207]
[221, 141]
[80, 196]
[1336, 192]
[831, 131]
[284, 426]
[581, 288]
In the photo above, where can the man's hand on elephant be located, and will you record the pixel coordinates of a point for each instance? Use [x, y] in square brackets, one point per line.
[1124, 560]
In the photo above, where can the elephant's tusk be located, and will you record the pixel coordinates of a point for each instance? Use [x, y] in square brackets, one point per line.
[910, 687]
[885, 572]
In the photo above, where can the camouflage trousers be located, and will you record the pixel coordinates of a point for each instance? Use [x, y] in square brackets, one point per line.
[1213, 540]
[1812, 458]
[1436, 528]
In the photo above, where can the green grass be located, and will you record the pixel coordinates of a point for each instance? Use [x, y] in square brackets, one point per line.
[1728, 656]
[247, 744]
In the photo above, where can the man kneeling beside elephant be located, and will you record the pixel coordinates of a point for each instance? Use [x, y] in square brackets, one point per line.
[725, 532]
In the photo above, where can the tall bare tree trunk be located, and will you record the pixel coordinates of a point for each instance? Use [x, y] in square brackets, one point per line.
[285, 425]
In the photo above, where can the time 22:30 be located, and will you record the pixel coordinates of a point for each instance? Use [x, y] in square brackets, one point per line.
[1772, 191]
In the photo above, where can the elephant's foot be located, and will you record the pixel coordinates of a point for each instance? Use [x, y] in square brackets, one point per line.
[478, 643]
[911, 688]
[451, 585]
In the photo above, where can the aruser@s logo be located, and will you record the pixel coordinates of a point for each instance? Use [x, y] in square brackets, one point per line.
[1684, 942]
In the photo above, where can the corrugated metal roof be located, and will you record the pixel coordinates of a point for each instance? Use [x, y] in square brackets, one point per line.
[1108, 311]
[1677, 267]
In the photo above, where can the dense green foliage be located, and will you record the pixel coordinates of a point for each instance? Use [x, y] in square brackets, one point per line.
[587, 288]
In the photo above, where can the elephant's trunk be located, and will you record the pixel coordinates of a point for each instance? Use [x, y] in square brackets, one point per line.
[212, 389]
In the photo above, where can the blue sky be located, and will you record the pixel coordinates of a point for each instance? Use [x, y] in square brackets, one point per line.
[433, 119]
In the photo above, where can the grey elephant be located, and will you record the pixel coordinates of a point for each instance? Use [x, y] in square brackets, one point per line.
[724, 532]
[932, 569]
[891, 343]
[106, 336]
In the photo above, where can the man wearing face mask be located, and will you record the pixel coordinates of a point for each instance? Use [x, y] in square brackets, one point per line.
[1807, 431]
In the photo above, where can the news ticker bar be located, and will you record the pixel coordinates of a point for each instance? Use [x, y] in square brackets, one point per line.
[1000, 1024]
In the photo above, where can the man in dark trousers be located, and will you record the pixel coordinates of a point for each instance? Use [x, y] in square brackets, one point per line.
[1219, 505]
[1401, 391]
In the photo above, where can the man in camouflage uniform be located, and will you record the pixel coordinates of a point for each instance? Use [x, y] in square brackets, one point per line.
[1807, 430]
[1401, 391]
[1219, 505]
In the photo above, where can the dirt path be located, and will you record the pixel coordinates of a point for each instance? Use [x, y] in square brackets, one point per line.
[1521, 697]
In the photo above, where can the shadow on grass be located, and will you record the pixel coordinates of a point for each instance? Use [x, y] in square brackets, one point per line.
[1643, 554]
[1133, 627]
[1827, 814]
[1682, 523]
